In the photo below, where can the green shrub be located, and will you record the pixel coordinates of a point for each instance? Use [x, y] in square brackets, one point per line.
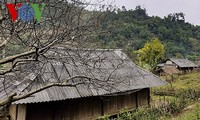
[125, 115]
[174, 106]
[152, 113]
[105, 117]
[189, 93]
[140, 114]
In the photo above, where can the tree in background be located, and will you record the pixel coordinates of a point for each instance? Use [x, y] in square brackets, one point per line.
[150, 54]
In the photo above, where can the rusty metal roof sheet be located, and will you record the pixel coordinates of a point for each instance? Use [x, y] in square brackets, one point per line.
[114, 70]
[170, 70]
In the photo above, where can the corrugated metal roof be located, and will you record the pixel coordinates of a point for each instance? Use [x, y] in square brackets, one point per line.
[114, 70]
[183, 62]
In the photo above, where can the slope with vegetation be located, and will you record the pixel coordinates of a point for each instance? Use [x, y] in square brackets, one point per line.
[131, 29]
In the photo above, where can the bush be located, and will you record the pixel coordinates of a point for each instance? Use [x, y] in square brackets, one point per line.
[125, 115]
[190, 94]
[176, 106]
[140, 114]
[105, 117]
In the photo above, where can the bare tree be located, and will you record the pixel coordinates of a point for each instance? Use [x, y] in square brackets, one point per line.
[40, 54]
[28, 44]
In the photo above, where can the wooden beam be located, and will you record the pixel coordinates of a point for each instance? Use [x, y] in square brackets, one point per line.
[13, 112]
[21, 112]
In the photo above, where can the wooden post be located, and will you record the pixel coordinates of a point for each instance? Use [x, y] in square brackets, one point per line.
[13, 112]
[136, 99]
[149, 97]
[21, 112]
[102, 106]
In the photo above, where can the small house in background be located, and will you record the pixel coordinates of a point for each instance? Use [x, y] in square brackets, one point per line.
[184, 65]
[128, 86]
[168, 70]
[197, 62]
[176, 66]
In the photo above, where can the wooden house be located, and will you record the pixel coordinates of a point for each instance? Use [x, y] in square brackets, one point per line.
[128, 86]
[168, 70]
[183, 65]
[197, 62]
[176, 66]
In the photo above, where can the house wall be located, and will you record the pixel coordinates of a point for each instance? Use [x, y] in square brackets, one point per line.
[169, 62]
[85, 108]
[17, 112]
[74, 109]
[113, 104]
[143, 97]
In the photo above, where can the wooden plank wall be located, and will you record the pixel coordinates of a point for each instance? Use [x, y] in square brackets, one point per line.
[143, 97]
[86, 108]
[112, 105]
[76, 109]
[17, 112]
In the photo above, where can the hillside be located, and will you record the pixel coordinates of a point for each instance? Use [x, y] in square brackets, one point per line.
[130, 29]
[182, 96]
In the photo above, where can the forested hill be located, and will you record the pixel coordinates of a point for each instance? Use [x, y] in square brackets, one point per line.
[130, 29]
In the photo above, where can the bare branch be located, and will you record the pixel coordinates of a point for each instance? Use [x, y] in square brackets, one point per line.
[2, 45]
[8, 100]
[67, 24]
[14, 97]
[3, 72]
[12, 58]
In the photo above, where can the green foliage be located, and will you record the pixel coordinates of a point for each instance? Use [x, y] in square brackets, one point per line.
[183, 87]
[125, 115]
[146, 114]
[139, 114]
[176, 106]
[105, 117]
[189, 93]
[135, 27]
[151, 53]
[184, 93]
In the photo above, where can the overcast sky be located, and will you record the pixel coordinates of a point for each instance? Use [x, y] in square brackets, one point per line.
[191, 8]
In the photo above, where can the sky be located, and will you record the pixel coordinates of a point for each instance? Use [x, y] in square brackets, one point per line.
[161, 8]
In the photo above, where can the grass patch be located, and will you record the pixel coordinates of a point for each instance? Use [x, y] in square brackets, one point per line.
[191, 80]
[185, 88]
[190, 113]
